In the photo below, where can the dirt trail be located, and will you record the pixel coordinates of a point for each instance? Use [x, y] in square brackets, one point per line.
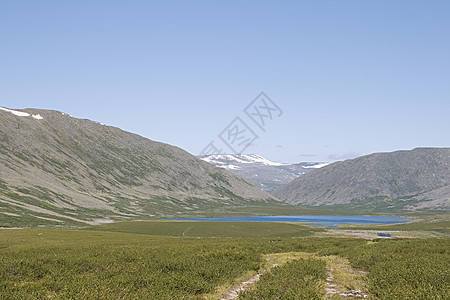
[187, 230]
[340, 282]
[272, 260]
[342, 279]
[234, 292]
[330, 287]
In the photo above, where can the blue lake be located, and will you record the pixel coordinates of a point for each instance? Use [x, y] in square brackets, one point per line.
[329, 221]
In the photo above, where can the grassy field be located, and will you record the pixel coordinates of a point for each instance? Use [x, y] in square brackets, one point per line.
[154, 260]
[211, 229]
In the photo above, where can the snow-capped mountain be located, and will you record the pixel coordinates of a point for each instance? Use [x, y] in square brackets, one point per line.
[266, 174]
[231, 162]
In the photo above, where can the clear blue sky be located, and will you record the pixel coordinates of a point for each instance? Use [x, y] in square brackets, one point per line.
[352, 77]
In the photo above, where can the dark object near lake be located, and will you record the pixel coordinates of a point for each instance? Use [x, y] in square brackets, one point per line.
[381, 234]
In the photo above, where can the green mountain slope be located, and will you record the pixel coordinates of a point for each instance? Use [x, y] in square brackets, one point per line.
[56, 169]
[403, 180]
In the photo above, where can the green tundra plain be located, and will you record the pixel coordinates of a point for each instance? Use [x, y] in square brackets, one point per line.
[205, 260]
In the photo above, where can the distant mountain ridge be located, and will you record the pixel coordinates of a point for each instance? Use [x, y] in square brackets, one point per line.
[261, 172]
[417, 179]
[56, 169]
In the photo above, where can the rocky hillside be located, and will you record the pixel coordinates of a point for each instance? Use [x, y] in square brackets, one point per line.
[266, 174]
[56, 169]
[401, 180]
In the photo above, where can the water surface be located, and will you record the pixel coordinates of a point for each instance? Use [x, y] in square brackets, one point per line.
[314, 220]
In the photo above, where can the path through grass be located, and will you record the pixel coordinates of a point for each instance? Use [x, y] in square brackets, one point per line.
[340, 278]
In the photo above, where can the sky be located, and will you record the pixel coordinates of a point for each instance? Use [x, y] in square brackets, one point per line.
[340, 78]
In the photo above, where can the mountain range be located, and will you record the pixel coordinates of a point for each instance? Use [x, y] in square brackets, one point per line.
[56, 169]
[417, 179]
[261, 172]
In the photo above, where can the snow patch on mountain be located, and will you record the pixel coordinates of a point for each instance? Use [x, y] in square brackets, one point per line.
[221, 159]
[231, 167]
[21, 113]
[15, 112]
[317, 166]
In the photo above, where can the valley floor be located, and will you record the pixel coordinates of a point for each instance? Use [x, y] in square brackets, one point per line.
[197, 260]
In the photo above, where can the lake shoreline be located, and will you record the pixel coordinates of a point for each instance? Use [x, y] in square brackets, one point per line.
[316, 220]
